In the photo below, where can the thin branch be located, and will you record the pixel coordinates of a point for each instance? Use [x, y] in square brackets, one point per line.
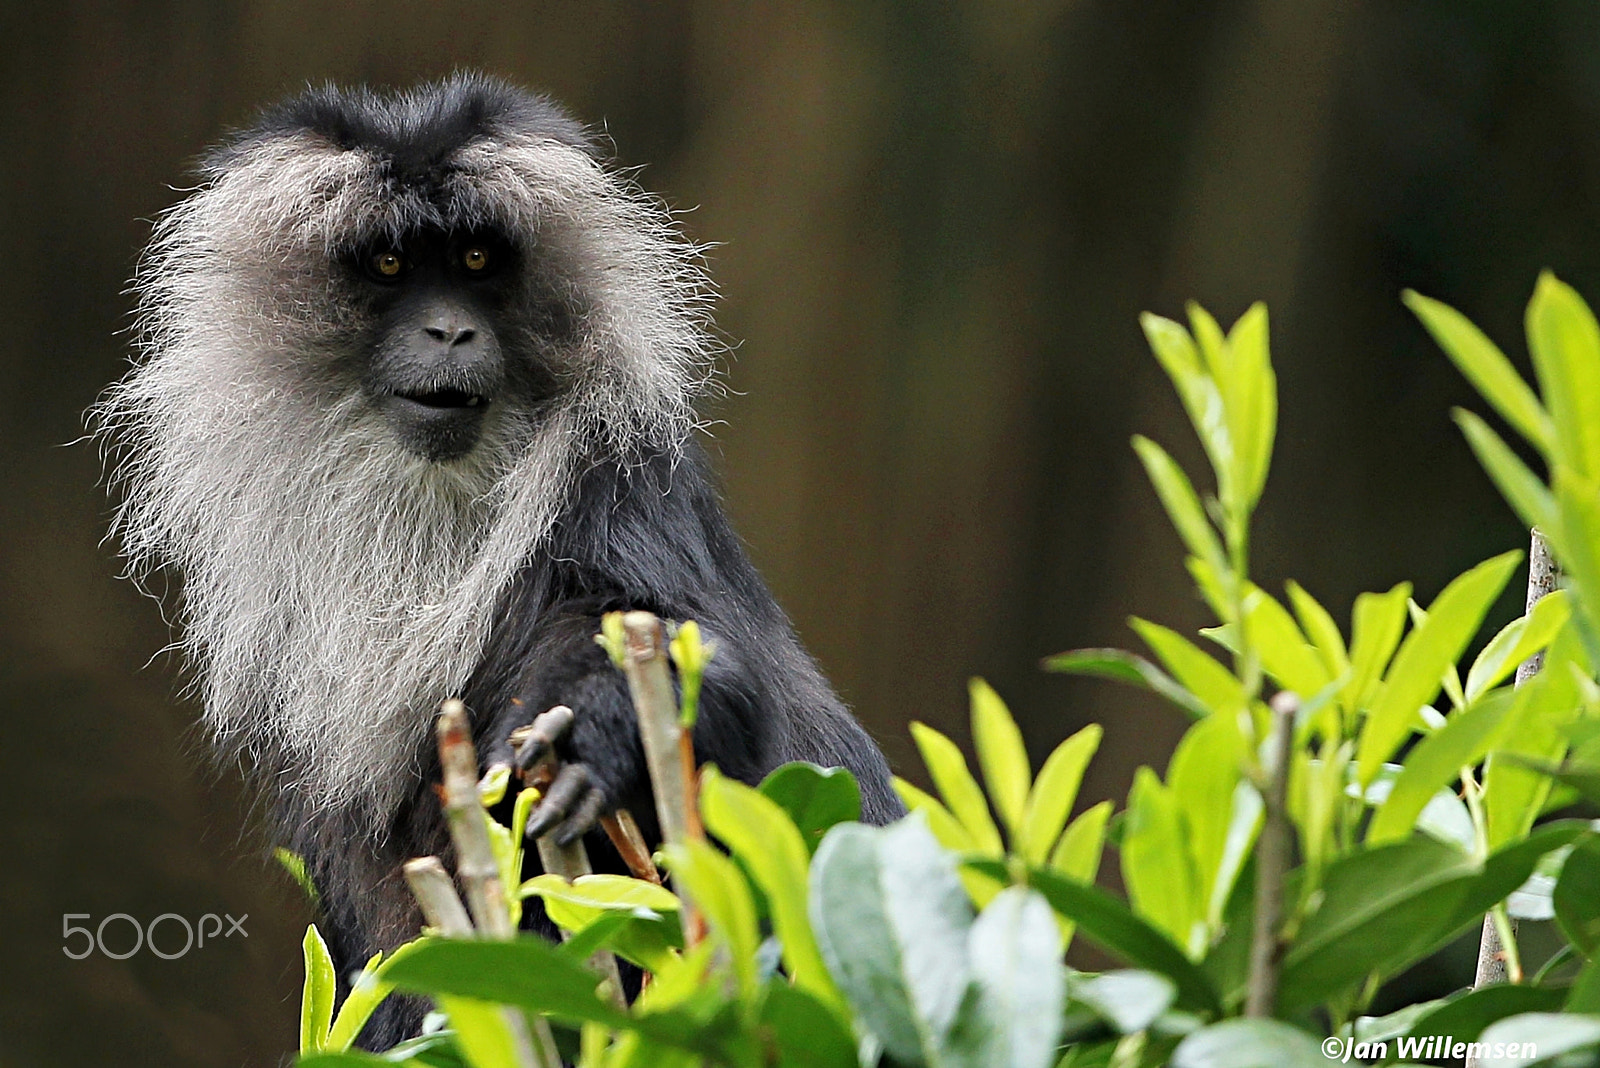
[649, 675]
[1272, 862]
[623, 830]
[1497, 943]
[469, 829]
[436, 893]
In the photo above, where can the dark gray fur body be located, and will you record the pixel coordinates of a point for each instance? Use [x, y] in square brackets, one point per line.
[345, 564]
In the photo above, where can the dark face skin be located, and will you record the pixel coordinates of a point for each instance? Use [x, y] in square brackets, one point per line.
[438, 355]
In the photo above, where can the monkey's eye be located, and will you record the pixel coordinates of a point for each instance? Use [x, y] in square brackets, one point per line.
[475, 258]
[387, 264]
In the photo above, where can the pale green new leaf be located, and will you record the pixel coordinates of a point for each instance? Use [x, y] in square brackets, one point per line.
[1537, 728]
[1376, 623]
[1156, 865]
[1201, 778]
[1486, 367]
[1564, 341]
[718, 889]
[1284, 652]
[1425, 655]
[1252, 396]
[1319, 626]
[761, 835]
[317, 992]
[1522, 489]
[1464, 740]
[1181, 502]
[960, 791]
[1054, 793]
[1001, 754]
[1077, 855]
[1192, 667]
[1517, 641]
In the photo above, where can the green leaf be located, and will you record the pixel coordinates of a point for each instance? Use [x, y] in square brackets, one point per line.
[1121, 666]
[719, 890]
[761, 835]
[1109, 924]
[1204, 772]
[648, 939]
[295, 865]
[316, 993]
[1377, 620]
[1576, 539]
[1427, 652]
[1130, 1001]
[1537, 731]
[1077, 855]
[1482, 363]
[1015, 1017]
[1001, 754]
[1564, 341]
[1522, 489]
[957, 787]
[945, 827]
[1208, 680]
[1284, 651]
[1249, 1044]
[483, 1032]
[804, 1032]
[1542, 1036]
[1157, 868]
[1577, 895]
[1436, 761]
[1319, 626]
[1584, 993]
[1465, 1017]
[1054, 793]
[1181, 503]
[1385, 908]
[815, 798]
[891, 920]
[528, 973]
[1250, 391]
[1517, 641]
[366, 994]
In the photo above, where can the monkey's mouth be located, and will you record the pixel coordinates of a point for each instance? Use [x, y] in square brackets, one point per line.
[437, 424]
[445, 398]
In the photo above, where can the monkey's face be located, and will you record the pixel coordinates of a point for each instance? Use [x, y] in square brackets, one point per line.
[445, 342]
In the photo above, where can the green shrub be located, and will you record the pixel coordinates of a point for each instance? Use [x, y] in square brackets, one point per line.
[1344, 803]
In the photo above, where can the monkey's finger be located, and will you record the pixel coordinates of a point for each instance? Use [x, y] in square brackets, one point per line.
[584, 816]
[570, 785]
[537, 740]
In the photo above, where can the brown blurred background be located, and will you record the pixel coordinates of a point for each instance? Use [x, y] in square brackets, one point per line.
[938, 223]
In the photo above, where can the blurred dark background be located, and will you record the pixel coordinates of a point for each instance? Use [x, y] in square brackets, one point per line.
[938, 224]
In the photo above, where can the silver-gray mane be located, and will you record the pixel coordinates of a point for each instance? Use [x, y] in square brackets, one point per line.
[334, 587]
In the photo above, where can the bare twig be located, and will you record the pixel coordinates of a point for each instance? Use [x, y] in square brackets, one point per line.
[1544, 574]
[475, 860]
[436, 893]
[629, 841]
[671, 775]
[1272, 862]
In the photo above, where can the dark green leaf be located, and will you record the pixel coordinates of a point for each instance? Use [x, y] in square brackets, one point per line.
[1465, 1017]
[803, 1031]
[529, 973]
[1125, 667]
[1577, 895]
[815, 798]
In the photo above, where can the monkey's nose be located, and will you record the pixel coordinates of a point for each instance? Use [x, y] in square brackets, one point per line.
[452, 333]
